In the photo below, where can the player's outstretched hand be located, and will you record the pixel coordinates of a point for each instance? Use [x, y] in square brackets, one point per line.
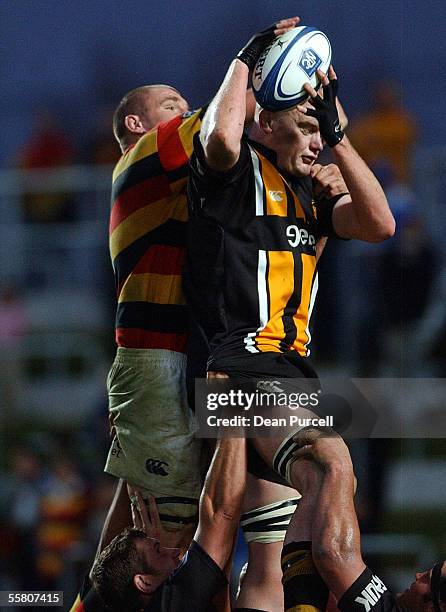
[324, 107]
[328, 181]
[149, 522]
[146, 518]
[257, 43]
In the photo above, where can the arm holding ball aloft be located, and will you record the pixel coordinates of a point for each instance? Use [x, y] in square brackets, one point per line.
[364, 214]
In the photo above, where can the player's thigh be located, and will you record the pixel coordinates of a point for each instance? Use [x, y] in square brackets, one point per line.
[154, 447]
[260, 492]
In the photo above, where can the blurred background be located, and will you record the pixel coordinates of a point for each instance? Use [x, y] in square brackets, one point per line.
[64, 66]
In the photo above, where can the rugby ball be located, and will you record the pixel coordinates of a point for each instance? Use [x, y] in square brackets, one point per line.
[289, 62]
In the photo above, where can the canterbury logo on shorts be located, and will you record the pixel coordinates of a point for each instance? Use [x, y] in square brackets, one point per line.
[157, 467]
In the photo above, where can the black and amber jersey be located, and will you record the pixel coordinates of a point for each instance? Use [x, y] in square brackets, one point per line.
[251, 273]
[148, 234]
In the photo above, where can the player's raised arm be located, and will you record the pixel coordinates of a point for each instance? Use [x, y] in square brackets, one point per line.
[365, 213]
[224, 121]
[221, 499]
[336, 546]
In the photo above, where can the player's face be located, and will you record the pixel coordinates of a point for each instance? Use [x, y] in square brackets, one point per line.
[418, 595]
[162, 104]
[163, 560]
[297, 141]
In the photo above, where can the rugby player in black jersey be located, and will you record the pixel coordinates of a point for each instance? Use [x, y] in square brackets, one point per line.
[260, 211]
[327, 533]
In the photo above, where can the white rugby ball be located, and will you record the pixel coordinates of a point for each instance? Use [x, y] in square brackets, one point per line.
[287, 64]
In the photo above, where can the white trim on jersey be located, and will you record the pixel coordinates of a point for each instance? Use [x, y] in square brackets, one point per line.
[313, 294]
[258, 183]
[250, 343]
[262, 291]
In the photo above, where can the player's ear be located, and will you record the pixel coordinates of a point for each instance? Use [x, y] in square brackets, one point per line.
[266, 121]
[134, 124]
[143, 583]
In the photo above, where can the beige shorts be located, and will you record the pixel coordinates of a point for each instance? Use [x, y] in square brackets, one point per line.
[154, 447]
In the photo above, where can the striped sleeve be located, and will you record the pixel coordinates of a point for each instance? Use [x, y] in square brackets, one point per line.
[175, 142]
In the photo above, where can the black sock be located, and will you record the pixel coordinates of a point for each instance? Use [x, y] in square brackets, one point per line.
[303, 588]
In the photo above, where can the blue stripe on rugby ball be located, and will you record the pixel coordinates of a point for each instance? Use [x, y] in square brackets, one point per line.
[262, 94]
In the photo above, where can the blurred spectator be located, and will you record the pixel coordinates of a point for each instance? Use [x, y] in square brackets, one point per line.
[102, 147]
[12, 330]
[48, 147]
[399, 274]
[27, 487]
[63, 510]
[409, 267]
[101, 498]
[385, 136]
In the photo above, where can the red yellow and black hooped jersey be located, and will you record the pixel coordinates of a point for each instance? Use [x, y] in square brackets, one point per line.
[148, 235]
[251, 274]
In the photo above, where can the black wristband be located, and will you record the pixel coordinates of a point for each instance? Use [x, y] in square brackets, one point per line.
[255, 46]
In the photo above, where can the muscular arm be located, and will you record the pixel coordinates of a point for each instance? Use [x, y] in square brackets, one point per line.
[223, 123]
[250, 107]
[336, 544]
[221, 499]
[365, 213]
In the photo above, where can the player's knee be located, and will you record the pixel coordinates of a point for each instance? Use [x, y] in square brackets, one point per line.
[306, 476]
[284, 460]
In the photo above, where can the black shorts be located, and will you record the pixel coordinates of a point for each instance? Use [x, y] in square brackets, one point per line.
[264, 365]
[268, 366]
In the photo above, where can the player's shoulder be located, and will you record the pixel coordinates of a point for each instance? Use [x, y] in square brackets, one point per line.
[145, 147]
[195, 564]
[191, 586]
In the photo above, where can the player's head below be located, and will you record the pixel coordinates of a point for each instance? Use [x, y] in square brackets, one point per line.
[131, 568]
[294, 136]
[428, 591]
[142, 109]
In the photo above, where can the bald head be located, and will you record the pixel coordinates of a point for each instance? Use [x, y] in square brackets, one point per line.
[142, 109]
